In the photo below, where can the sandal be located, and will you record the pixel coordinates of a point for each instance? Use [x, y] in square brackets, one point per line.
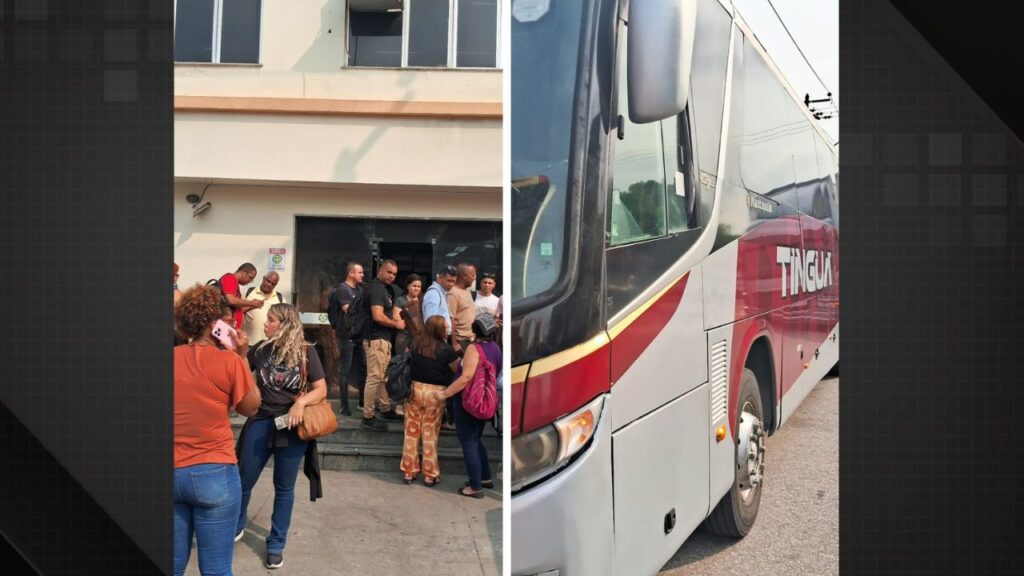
[431, 481]
[408, 480]
[476, 495]
[484, 483]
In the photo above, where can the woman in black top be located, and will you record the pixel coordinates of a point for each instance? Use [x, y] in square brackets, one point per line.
[433, 368]
[278, 365]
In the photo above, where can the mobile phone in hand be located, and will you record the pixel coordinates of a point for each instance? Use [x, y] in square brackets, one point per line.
[225, 334]
[281, 422]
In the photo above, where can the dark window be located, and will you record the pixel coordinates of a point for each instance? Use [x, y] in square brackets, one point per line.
[805, 162]
[375, 38]
[679, 173]
[237, 40]
[395, 33]
[707, 80]
[428, 33]
[766, 154]
[193, 31]
[477, 41]
[240, 39]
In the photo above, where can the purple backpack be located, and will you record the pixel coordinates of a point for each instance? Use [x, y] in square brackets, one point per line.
[480, 396]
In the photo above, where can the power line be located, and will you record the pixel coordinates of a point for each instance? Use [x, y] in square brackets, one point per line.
[784, 27]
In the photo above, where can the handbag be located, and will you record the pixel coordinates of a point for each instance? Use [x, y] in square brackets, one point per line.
[480, 396]
[318, 419]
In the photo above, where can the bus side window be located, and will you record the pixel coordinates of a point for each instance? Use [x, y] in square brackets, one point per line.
[638, 175]
[682, 202]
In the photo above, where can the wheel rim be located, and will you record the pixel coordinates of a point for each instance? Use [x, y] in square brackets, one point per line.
[750, 453]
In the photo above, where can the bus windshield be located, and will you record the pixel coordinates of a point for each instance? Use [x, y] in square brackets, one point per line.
[545, 47]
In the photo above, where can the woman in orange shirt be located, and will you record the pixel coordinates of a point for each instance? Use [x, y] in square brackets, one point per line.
[208, 381]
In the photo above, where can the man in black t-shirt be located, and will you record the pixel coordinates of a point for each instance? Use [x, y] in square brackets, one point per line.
[352, 359]
[378, 335]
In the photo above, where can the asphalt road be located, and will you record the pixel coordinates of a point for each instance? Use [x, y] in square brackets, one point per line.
[797, 527]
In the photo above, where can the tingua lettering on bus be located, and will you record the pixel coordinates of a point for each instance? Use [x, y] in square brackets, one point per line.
[810, 270]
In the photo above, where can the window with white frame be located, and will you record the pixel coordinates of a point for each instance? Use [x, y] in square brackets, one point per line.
[430, 33]
[218, 31]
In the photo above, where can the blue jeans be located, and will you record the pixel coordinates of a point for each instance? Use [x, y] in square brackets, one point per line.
[287, 459]
[470, 430]
[206, 501]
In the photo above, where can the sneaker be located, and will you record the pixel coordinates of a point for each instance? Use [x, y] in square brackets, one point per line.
[345, 410]
[373, 425]
[275, 560]
[390, 415]
[240, 534]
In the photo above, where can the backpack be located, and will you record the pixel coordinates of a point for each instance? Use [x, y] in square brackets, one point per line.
[215, 282]
[399, 377]
[480, 396]
[334, 308]
[280, 299]
[358, 314]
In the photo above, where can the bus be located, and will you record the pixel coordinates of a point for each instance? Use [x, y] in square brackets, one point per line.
[675, 277]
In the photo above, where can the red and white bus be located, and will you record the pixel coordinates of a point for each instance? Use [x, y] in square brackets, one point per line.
[675, 280]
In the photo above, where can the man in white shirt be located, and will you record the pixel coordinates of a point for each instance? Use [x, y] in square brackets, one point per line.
[255, 318]
[486, 301]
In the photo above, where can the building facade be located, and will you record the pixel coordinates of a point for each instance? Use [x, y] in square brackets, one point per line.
[310, 133]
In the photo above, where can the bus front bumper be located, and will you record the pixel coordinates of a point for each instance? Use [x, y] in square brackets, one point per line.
[563, 526]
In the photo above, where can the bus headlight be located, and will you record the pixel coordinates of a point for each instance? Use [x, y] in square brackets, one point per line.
[544, 451]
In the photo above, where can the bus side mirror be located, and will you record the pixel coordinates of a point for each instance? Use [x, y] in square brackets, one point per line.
[659, 51]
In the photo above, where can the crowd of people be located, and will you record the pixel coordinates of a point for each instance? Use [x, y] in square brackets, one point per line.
[446, 330]
[248, 353]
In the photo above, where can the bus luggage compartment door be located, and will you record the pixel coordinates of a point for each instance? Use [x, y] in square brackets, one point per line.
[660, 464]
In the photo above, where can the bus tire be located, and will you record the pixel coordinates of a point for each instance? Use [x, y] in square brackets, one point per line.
[736, 511]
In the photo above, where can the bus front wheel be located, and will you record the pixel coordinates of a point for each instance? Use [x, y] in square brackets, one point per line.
[735, 514]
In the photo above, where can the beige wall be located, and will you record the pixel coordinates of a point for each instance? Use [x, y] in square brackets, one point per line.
[371, 150]
[302, 58]
[304, 35]
[247, 219]
[267, 168]
[303, 55]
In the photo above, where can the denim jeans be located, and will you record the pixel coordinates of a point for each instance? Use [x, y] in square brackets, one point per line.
[287, 460]
[206, 501]
[470, 430]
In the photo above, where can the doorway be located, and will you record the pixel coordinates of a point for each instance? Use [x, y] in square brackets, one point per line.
[411, 257]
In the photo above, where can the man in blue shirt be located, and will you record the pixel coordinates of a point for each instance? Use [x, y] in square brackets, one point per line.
[435, 299]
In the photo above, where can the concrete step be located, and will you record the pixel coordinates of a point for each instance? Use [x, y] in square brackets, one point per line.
[351, 448]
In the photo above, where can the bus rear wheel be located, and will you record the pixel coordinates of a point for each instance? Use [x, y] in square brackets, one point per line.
[736, 511]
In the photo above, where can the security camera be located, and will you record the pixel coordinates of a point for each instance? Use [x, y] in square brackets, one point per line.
[193, 199]
[199, 209]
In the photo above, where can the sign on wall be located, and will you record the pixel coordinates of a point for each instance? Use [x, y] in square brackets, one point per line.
[276, 259]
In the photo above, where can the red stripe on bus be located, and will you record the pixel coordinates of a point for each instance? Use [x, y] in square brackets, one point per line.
[554, 394]
[517, 407]
[630, 344]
